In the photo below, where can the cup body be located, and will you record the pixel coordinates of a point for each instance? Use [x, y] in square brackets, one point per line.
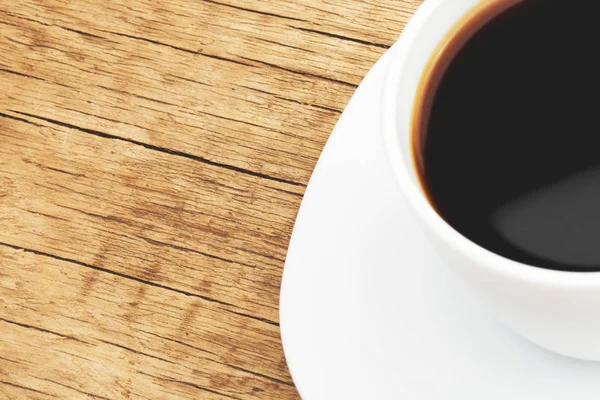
[557, 310]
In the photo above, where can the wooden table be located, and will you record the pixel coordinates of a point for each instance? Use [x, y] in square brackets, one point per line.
[153, 156]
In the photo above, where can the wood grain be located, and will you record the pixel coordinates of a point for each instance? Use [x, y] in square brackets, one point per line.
[153, 158]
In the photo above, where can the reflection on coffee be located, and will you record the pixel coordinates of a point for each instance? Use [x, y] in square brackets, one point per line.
[507, 132]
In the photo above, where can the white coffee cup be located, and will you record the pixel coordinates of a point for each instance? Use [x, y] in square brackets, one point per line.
[559, 311]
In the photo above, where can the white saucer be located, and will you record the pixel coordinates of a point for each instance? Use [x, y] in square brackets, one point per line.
[369, 312]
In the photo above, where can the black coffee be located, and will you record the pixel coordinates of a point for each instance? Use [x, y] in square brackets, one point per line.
[511, 149]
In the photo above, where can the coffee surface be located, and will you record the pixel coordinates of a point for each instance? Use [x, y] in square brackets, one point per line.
[511, 151]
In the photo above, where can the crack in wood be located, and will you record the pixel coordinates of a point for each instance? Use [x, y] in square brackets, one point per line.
[186, 249]
[299, 195]
[342, 37]
[10, 361]
[43, 330]
[135, 351]
[295, 71]
[143, 281]
[75, 389]
[47, 215]
[156, 42]
[284, 45]
[292, 100]
[155, 148]
[82, 33]
[8, 71]
[182, 343]
[94, 215]
[20, 120]
[27, 388]
[62, 171]
[215, 57]
[262, 376]
[254, 11]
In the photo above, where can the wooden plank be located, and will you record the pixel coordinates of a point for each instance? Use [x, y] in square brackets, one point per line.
[241, 116]
[153, 158]
[169, 220]
[238, 34]
[70, 332]
[292, 125]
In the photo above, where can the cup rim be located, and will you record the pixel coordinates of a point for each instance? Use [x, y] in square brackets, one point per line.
[413, 192]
